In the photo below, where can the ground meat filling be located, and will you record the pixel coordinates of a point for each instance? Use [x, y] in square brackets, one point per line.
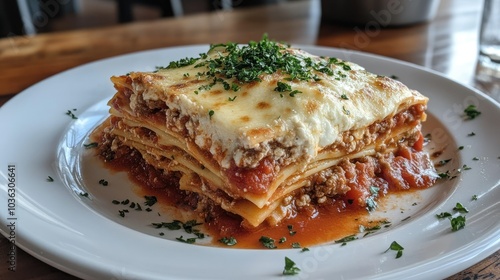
[360, 182]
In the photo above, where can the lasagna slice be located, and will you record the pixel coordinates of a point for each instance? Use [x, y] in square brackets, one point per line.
[265, 130]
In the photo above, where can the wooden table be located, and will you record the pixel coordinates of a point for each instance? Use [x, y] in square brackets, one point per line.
[447, 44]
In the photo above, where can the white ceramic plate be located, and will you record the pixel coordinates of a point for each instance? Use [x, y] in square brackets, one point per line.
[85, 236]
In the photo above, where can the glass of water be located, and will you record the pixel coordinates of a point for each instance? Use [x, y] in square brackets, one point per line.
[487, 77]
[489, 37]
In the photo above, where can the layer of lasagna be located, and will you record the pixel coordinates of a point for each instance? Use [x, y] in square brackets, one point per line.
[265, 130]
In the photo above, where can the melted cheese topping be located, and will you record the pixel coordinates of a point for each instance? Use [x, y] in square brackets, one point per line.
[259, 119]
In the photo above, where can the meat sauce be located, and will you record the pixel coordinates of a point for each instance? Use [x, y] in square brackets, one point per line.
[255, 180]
[410, 168]
[407, 170]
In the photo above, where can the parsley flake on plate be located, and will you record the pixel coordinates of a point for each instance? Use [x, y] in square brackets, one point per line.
[290, 267]
[90, 145]
[229, 241]
[396, 247]
[460, 208]
[457, 223]
[346, 239]
[103, 182]
[150, 200]
[471, 112]
[267, 242]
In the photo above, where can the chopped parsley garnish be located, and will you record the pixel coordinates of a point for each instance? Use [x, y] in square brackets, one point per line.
[474, 197]
[180, 63]
[267, 242]
[471, 112]
[84, 194]
[444, 175]
[450, 176]
[396, 247]
[71, 114]
[346, 239]
[211, 113]
[150, 200]
[294, 92]
[175, 225]
[475, 158]
[460, 208]
[471, 134]
[443, 215]
[295, 245]
[189, 240]
[229, 241]
[290, 230]
[457, 223]
[282, 87]
[232, 65]
[290, 267]
[464, 167]
[187, 226]
[103, 182]
[343, 96]
[133, 205]
[50, 179]
[122, 212]
[90, 145]
[369, 230]
[235, 87]
[443, 162]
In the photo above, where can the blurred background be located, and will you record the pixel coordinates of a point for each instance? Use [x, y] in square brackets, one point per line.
[26, 17]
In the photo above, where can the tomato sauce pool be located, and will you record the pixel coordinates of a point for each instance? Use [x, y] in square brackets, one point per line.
[332, 222]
